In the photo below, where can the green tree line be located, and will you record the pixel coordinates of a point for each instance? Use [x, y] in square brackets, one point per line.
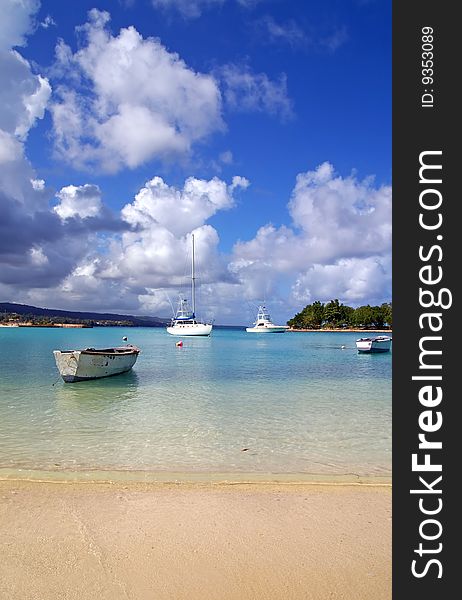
[51, 320]
[335, 314]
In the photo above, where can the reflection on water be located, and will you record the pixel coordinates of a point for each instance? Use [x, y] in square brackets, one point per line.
[98, 395]
[297, 402]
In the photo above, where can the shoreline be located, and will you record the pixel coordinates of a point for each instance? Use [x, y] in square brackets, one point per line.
[97, 476]
[127, 541]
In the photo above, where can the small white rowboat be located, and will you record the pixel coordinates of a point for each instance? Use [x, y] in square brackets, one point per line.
[91, 363]
[381, 343]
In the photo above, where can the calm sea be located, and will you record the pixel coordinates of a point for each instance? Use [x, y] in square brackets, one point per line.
[293, 403]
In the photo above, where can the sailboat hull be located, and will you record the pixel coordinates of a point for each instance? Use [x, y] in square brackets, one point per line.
[189, 329]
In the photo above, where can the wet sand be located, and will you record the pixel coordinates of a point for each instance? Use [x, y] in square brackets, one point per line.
[111, 541]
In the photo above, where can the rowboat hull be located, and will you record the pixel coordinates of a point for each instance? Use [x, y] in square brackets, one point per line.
[84, 365]
[373, 345]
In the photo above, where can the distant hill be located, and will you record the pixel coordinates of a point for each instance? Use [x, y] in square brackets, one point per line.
[94, 318]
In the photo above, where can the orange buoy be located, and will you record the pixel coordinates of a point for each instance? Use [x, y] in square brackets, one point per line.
[179, 344]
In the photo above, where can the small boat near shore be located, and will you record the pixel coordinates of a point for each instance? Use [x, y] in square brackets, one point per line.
[381, 343]
[92, 363]
[263, 323]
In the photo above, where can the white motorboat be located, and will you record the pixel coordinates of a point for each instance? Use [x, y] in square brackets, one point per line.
[263, 323]
[184, 322]
[92, 363]
[381, 343]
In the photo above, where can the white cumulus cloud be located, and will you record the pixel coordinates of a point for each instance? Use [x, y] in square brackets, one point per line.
[341, 216]
[16, 22]
[181, 210]
[338, 246]
[82, 201]
[136, 101]
[23, 95]
[10, 148]
[148, 262]
[354, 280]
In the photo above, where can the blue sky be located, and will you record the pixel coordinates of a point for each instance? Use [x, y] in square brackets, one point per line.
[262, 126]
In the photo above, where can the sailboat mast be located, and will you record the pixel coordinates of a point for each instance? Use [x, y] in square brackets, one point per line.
[193, 281]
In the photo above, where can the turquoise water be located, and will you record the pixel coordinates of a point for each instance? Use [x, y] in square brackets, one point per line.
[297, 402]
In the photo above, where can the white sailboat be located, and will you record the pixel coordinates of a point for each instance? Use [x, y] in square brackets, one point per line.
[184, 322]
[263, 323]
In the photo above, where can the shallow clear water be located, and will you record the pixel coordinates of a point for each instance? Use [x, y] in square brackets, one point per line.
[296, 401]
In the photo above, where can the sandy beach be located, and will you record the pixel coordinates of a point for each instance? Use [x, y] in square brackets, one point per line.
[111, 541]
